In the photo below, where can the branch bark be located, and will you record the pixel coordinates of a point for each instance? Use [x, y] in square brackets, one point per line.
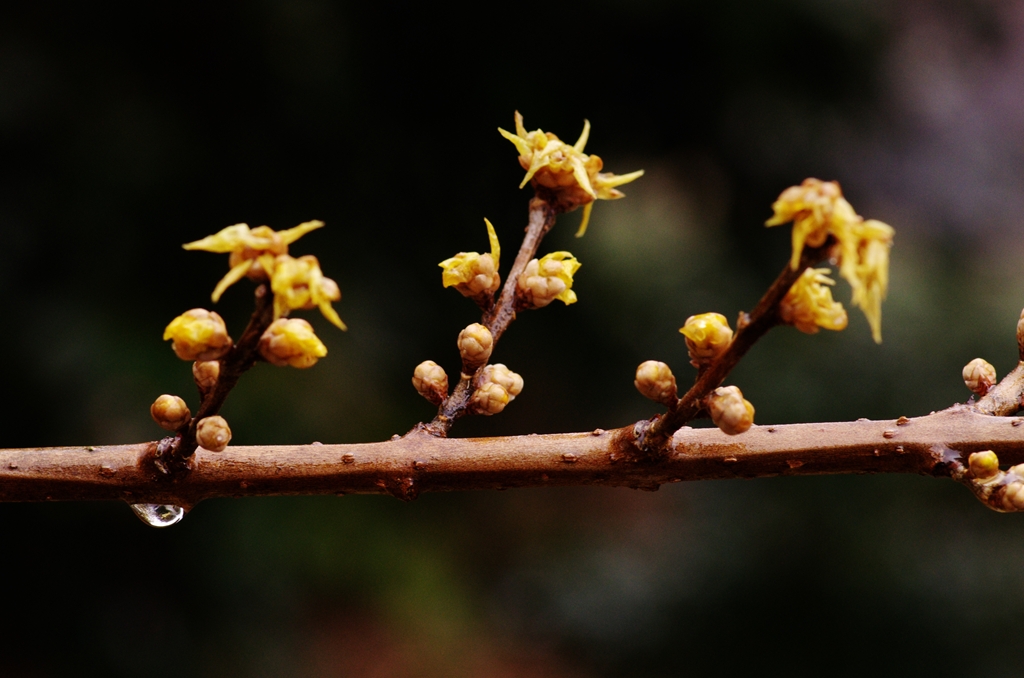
[932, 445]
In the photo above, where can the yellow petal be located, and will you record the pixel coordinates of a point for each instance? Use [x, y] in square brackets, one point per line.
[611, 181]
[580, 172]
[538, 162]
[331, 314]
[584, 135]
[223, 241]
[233, 276]
[586, 219]
[521, 145]
[292, 234]
[493, 237]
[520, 128]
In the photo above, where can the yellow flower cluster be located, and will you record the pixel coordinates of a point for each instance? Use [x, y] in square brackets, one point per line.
[575, 176]
[817, 209]
[291, 341]
[473, 274]
[261, 254]
[548, 278]
[198, 334]
[708, 335]
[808, 305]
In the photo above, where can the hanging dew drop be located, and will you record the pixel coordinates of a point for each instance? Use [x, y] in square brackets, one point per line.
[159, 515]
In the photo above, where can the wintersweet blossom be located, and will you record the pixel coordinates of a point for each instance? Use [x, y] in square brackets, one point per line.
[300, 284]
[198, 334]
[817, 209]
[252, 250]
[708, 335]
[573, 175]
[291, 341]
[473, 274]
[548, 278]
[808, 305]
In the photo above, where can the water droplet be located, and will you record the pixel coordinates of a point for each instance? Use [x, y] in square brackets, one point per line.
[159, 515]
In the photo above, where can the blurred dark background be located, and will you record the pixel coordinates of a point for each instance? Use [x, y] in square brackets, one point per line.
[128, 130]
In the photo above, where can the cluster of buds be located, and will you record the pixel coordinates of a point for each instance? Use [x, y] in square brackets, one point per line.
[497, 386]
[573, 176]
[172, 414]
[546, 279]
[808, 305]
[299, 284]
[198, 334]
[655, 380]
[1000, 490]
[431, 381]
[708, 335]
[979, 376]
[818, 209]
[475, 275]
[291, 341]
[730, 411]
[475, 345]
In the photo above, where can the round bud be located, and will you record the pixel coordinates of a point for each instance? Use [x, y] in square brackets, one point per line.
[198, 334]
[170, 412]
[504, 377]
[291, 341]
[213, 433]
[475, 344]
[430, 381]
[206, 373]
[655, 380]
[489, 399]
[1013, 496]
[730, 411]
[984, 465]
[708, 335]
[1020, 335]
[979, 376]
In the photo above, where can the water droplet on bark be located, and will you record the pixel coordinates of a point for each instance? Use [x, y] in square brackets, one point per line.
[159, 515]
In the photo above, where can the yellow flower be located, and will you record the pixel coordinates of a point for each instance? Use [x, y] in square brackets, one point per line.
[817, 209]
[198, 334]
[300, 284]
[291, 341]
[566, 170]
[548, 278]
[252, 251]
[708, 335]
[808, 305]
[473, 274]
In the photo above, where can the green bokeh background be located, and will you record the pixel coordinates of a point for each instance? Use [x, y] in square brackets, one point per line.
[127, 130]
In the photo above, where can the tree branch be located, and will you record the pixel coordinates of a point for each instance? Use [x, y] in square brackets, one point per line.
[935, 445]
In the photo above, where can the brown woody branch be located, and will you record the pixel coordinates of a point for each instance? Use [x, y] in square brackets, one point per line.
[655, 434]
[931, 445]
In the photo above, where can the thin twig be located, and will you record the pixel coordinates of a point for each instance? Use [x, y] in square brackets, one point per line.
[930, 445]
[1005, 397]
[654, 434]
[499, 317]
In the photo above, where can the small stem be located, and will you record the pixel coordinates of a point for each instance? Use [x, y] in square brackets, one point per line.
[929, 445]
[500, 316]
[1004, 398]
[655, 434]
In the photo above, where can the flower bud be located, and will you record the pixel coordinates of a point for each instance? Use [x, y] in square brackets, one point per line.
[430, 381]
[291, 341]
[708, 335]
[504, 377]
[1013, 496]
[170, 412]
[546, 279]
[655, 380]
[730, 411]
[489, 399]
[473, 274]
[1020, 335]
[198, 335]
[206, 373]
[213, 433]
[475, 344]
[979, 376]
[809, 305]
[984, 465]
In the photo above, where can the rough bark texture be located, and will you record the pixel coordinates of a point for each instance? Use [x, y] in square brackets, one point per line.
[420, 462]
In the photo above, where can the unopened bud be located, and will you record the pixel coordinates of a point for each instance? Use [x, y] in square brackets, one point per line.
[489, 399]
[984, 465]
[708, 335]
[213, 433]
[291, 341]
[979, 376]
[430, 381]
[206, 373]
[546, 279]
[198, 334]
[730, 411]
[170, 412]
[1020, 335]
[504, 377]
[1013, 496]
[473, 274]
[655, 380]
[475, 344]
